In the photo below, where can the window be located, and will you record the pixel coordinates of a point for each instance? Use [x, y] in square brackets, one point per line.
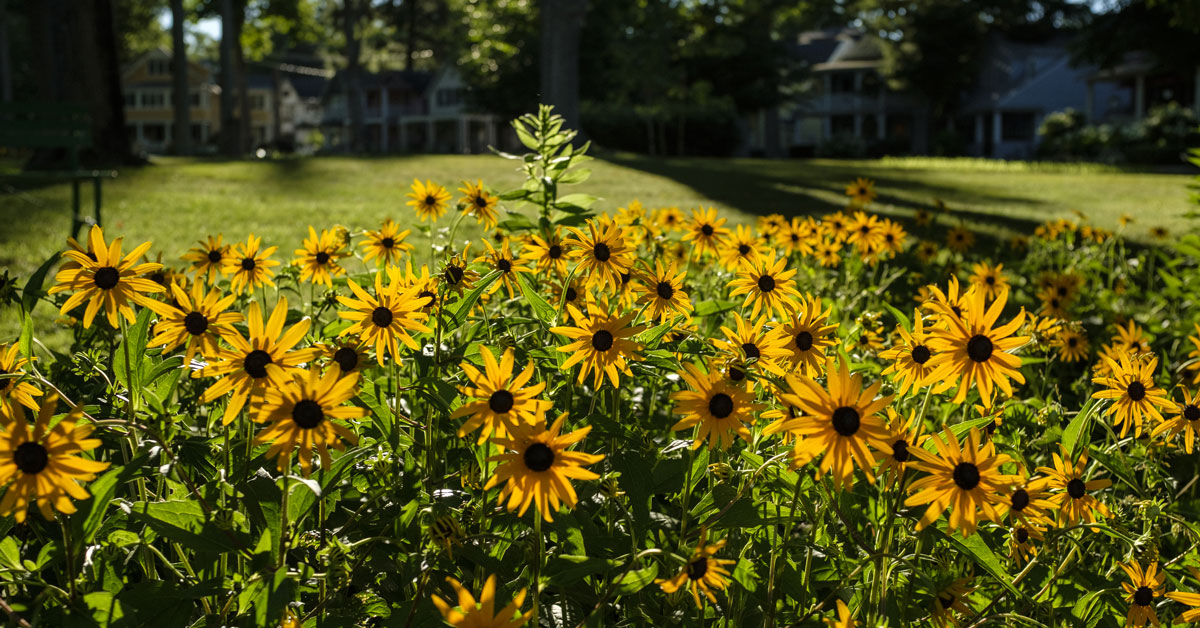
[198, 134]
[154, 132]
[258, 102]
[450, 96]
[1016, 126]
[153, 100]
[841, 82]
[159, 67]
[195, 98]
[131, 100]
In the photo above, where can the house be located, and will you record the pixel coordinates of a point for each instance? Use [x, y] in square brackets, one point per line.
[1129, 89]
[409, 111]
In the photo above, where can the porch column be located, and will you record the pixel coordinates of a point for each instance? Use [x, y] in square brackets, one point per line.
[403, 128]
[1139, 96]
[462, 135]
[979, 131]
[491, 131]
[997, 132]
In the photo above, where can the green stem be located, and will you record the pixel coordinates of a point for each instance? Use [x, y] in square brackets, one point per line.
[283, 514]
[537, 565]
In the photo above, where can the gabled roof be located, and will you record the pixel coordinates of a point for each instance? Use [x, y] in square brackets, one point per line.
[838, 49]
[1022, 75]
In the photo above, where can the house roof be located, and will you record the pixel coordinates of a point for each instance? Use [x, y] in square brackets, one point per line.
[838, 49]
[411, 80]
[1021, 75]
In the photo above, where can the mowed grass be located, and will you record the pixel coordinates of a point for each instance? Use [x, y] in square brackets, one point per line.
[175, 202]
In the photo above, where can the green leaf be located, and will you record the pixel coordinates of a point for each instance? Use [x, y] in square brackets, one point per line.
[711, 308]
[636, 580]
[541, 308]
[185, 522]
[975, 547]
[135, 341]
[900, 317]
[1075, 433]
[26, 339]
[650, 337]
[33, 287]
[459, 316]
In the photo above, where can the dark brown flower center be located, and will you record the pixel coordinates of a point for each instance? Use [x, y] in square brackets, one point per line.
[743, 249]
[1136, 391]
[989, 280]
[804, 341]
[555, 251]
[979, 348]
[501, 401]
[602, 340]
[346, 358]
[664, 290]
[454, 274]
[946, 599]
[1143, 596]
[1072, 341]
[751, 350]
[503, 264]
[307, 414]
[481, 201]
[431, 200]
[247, 263]
[721, 405]
[900, 451]
[387, 243]
[106, 278]
[1076, 488]
[1022, 535]
[31, 457]
[322, 258]
[601, 252]
[1020, 499]
[214, 256]
[571, 295]
[697, 568]
[966, 475]
[538, 457]
[707, 230]
[382, 316]
[1191, 412]
[766, 283]
[195, 323]
[846, 420]
[920, 354]
[256, 363]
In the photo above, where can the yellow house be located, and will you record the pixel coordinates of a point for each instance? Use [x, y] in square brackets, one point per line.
[148, 86]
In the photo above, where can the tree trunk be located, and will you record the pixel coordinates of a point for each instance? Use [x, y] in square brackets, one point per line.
[243, 88]
[6, 92]
[410, 44]
[562, 23]
[229, 126]
[276, 105]
[353, 83]
[183, 99]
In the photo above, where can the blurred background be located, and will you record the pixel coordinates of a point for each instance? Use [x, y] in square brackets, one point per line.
[1114, 81]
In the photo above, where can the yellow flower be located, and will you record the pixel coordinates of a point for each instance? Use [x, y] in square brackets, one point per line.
[601, 253]
[208, 258]
[989, 280]
[842, 424]
[662, 291]
[972, 349]
[960, 239]
[753, 341]
[901, 438]
[1191, 599]
[547, 253]
[1185, 422]
[705, 232]
[387, 318]
[953, 597]
[966, 477]
[109, 281]
[828, 253]
[481, 614]
[499, 402]
[478, 203]
[861, 191]
[318, 259]
[669, 218]
[843, 620]
[429, 200]
[1194, 356]
[12, 389]
[719, 407]
[1142, 588]
[601, 344]
[911, 359]
[536, 467]
[501, 258]
[1074, 501]
[386, 245]
[1137, 397]
[1072, 344]
[741, 248]
[303, 413]
[865, 233]
[702, 573]
[767, 286]
[263, 360]
[198, 321]
[42, 465]
[250, 265]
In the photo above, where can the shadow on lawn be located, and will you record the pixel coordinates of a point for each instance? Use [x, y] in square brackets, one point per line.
[764, 187]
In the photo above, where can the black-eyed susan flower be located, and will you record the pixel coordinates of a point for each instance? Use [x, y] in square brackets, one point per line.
[702, 574]
[861, 191]
[428, 199]
[109, 281]
[965, 477]
[304, 414]
[457, 275]
[536, 467]
[975, 352]
[12, 389]
[208, 258]
[197, 320]
[1136, 398]
[828, 253]
[1028, 502]
[836, 226]
[953, 298]
[843, 618]
[386, 246]
[387, 318]
[770, 225]
[1191, 599]
[601, 254]
[1194, 356]
[705, 232]
[478, 203]
[922, 217]
[1184, 422]
[891, 237]
[1071, 343]
[42, 465]
[669, 218]
[250, 265]
[425, 284]
[262, 360]
[499, 402]
[718, 407]
[953, 597]
[903, 435]
[865, 233]
[798, 236]
[501, 258]
[841, 423]
[1131, 338]
[1053, 304]
[318, 257]
[988, 279]
[1144, 585]
[349, 356]
[602, 345]
[766, 346]
[1023, 539]
[470, 613]
[910, 359]
[768, 287]
[959, 239]
[662, 292]
[741, 247]
[926, 251]
[547, 253]
[1074, 500]
[808, 336]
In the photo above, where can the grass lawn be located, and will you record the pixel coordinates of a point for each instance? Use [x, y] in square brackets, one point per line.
[176, 201]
